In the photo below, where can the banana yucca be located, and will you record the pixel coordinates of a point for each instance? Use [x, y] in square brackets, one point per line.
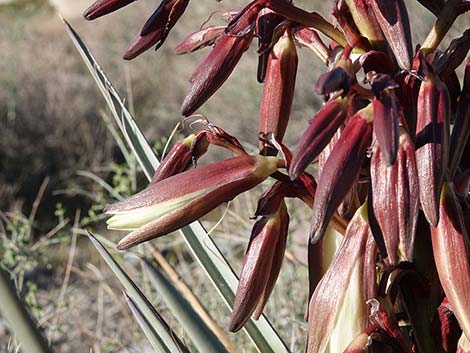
[392, 180]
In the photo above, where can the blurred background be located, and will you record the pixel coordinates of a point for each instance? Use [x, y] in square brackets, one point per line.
[59, 161]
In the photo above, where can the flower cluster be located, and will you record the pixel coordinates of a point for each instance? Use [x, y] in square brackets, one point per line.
[392, 181]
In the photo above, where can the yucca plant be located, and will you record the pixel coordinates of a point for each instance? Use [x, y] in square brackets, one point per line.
[391, 181]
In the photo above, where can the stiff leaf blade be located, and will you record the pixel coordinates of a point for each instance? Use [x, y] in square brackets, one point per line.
[152, 336]
[168, 343]
[19, 321]
[202, 337]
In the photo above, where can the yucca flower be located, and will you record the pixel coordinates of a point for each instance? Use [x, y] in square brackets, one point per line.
[341, 170]
[261, 266]
[103, 7]
[451, 249]
[278, 92]
[174, 202]
[432, 143]
[395, 199]
[214, 70]
[340, 297]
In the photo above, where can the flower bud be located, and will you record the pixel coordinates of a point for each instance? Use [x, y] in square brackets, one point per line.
[341, 170]
[172, 203]
[214, 70]
[395, 199]
[341, 292]
[165, 16]
[266, 24]
[278, 91]
[432, 143]
[245, 20]
[182, 156]
[386, 107]
[103, 7]
[392, 17]
[261, 266]
[451, 250]
[337, 79]
[157, 27]
[317, 135]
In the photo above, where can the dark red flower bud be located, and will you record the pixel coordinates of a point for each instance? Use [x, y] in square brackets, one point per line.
[174, 202]
[103, 7]
[182, 156]
[392, 17]
[317, 135]
[141, 44]
[157, 28]
[267, 22]
[214, 70]
[386, 109]
[261, 266]
[278, 92]
[451, 250]
[432, 143]
[165, 16]
[277, 260]
[245, 20]
[395, 199]
[341, 170]
[200, 39]
[408, 90]
[334, 80]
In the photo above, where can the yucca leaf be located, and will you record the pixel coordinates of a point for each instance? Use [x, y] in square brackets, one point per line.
[201, 244]
[19, 321]
[202, 337]
[153, 337]
[166, 336]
